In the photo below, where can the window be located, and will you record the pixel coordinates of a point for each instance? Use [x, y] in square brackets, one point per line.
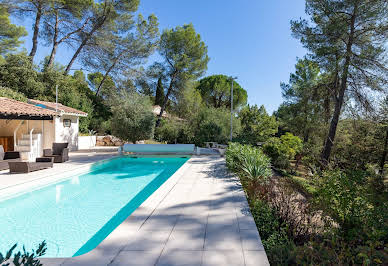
[66, 122]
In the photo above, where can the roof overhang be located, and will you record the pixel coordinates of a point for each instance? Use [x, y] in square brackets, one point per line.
[72, 114]
[24, 117]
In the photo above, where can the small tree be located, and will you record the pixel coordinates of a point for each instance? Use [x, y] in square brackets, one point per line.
[257, 125]
[132, 119]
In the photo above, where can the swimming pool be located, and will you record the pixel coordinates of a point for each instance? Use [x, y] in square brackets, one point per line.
[75, 215]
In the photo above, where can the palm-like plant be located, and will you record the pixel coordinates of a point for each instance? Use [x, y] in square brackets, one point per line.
[255, 167]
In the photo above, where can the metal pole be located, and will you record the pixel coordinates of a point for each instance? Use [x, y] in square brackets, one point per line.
[56, 98]
[231, 112]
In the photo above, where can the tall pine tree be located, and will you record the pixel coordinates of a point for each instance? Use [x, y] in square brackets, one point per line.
[347, 38]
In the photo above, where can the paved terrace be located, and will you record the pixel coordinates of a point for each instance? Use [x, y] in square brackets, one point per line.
[199, 216]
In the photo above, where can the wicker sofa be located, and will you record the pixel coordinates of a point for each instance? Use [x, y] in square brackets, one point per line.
[6, 157]
[59, 152]
[26, 167]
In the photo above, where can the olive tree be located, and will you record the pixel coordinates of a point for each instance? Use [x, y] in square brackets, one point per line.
[132, 118]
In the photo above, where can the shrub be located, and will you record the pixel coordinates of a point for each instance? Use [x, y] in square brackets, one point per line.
[251, 163]
[257, 125]
[25, 258]
[273, 233]
[345, 197]
[256, 170]
[283, 149]
[212, 124]
[277, 152]
[168, 131]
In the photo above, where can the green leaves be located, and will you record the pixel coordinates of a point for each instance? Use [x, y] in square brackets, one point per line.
[257, 125]
[9, 33]
[283, 149]
[11, 94]
[24, 259]
[132, 119]
[215, 91]
[184, 52]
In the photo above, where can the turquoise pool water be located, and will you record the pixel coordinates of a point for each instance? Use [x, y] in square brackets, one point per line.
[75, 215]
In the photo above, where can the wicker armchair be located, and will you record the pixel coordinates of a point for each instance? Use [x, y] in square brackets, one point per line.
[9, 156]
[59, 152]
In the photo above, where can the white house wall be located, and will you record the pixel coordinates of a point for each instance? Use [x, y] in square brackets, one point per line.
[67, 134]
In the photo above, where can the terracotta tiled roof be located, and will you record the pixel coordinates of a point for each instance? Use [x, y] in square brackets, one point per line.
[13, 107]
[61, 108]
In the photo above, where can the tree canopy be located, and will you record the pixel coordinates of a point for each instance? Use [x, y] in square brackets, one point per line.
[10, 34]
[133, 119]
[215, 91]
[184, 57]
[257, 125]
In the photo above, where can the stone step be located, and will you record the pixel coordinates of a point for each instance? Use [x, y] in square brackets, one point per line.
[22, 142]
[24, 148]
[27, 136]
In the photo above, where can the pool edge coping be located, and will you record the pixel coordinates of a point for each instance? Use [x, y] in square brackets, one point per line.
[149, 205]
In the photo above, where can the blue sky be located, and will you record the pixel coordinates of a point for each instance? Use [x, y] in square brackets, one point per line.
[250, 39]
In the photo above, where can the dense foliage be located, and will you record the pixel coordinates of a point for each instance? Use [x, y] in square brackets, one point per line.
[216, 91]
[257, 125]
[283, 149]
[132, 119]
[11, 94]
[344, 223]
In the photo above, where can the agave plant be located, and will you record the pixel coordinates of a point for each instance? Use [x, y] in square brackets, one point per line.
[255, 167]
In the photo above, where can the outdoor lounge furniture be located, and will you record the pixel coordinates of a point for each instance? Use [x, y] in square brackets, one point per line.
[9, 156]
[26, 167]
[59, 152]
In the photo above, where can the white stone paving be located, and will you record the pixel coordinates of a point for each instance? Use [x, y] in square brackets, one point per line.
[199, 216]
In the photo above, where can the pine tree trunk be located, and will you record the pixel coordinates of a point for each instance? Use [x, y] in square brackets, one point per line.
[325, 156]
[106, 75]
[55, 44]
[163, 107]
[52, 56]
[384, 155]
[72, 60]
[36, 33]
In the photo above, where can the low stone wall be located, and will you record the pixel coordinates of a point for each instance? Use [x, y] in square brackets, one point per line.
[108, 141]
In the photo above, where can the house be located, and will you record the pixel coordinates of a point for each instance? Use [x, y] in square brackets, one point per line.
[156, 111]
[33, 126]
